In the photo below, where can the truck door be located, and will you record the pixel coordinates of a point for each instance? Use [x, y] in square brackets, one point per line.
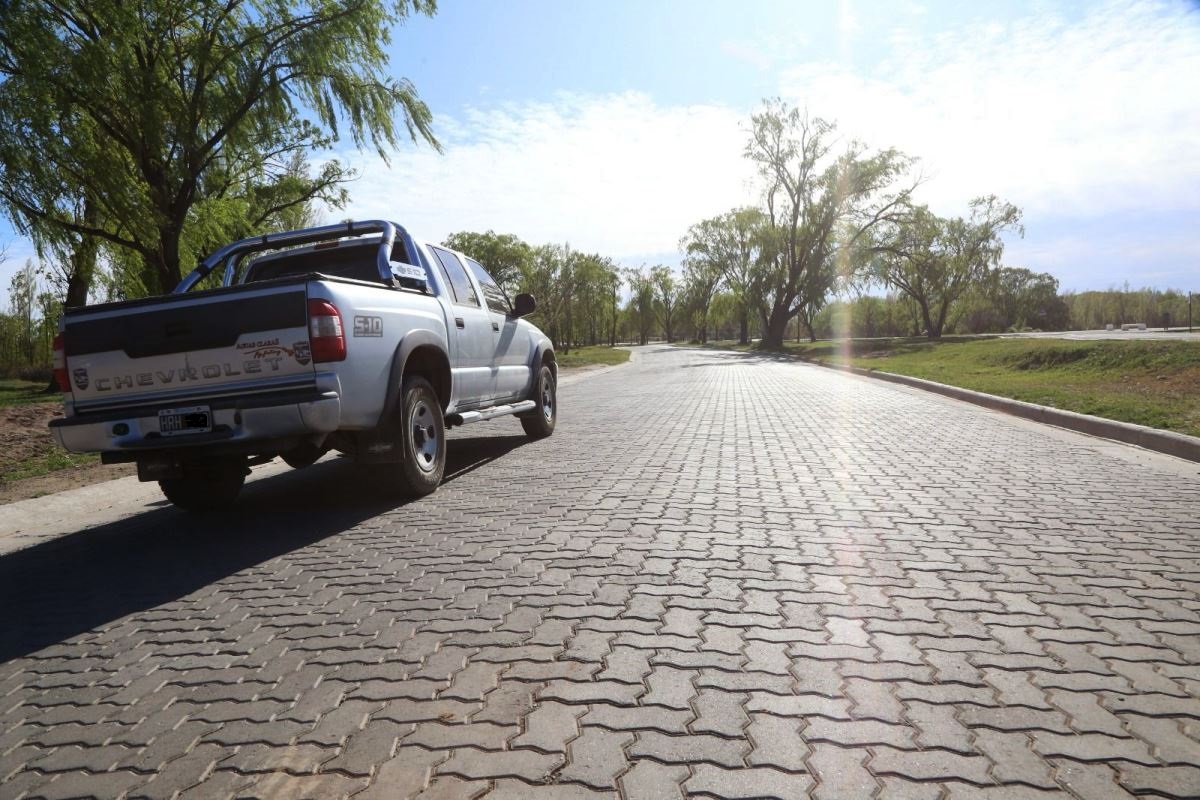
[474, 370]
[512, 341]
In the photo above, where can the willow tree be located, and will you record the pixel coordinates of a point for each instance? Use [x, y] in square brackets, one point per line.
[935, 260]
[163, 115]
[820, 208]
[732, 245]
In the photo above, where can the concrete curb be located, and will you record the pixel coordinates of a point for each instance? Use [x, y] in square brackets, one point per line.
[1173, 444]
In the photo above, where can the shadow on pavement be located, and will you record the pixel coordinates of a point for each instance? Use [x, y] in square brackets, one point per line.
[731, 358]
[72, 584]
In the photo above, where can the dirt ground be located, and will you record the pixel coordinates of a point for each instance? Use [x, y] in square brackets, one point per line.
[24, 436]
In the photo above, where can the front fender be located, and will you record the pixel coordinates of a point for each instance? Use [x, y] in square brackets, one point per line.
[411, 341]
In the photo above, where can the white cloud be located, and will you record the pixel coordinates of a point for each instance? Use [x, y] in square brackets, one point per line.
[1099, 115]
[617, 174]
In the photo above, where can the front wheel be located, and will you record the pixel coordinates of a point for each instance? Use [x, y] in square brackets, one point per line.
[422, 439]
[207, 486]
[540, 422]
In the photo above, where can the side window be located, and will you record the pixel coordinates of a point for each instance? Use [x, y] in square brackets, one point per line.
[460, 284]
[497, 300]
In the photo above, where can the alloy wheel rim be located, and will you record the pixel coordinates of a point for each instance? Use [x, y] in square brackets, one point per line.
[548, 400]
[424, 436]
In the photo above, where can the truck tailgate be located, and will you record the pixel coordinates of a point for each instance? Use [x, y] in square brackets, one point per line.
[174, 348]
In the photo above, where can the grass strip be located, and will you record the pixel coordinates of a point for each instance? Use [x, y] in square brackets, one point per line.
[587, 356]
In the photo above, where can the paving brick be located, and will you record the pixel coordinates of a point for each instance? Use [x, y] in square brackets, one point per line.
[596, 758]
[1085, 714]
[626, 664]
[647, 780]
[1089, 781]
[591, 692]
[1170, 781]
[719, 712]
[892, 788]
[938, 726]
[777, 742]
[1091, 747]
[88, 784]
[440, 736]
[929, 765]
[549, 727]
[182, 772]
[1013, 760]
[689, 748]
[325, 785]
[631, 718]
[334, 727]
[859, 733]
[752, 782]
[527, 765]
[512, 789]
[840, 772]
[405, 774]
[1167, 739]
[670, 687]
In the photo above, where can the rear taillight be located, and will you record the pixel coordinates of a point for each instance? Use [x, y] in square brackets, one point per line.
[325, 332]
[60, 365]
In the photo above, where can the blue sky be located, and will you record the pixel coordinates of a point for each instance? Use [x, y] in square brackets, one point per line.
[615, 125]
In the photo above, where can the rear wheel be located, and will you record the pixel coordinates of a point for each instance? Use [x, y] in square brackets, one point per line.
[206, 486]
[422, 439]
[540, 422]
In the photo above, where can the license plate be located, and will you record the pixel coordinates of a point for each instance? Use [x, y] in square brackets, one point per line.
[177, 421]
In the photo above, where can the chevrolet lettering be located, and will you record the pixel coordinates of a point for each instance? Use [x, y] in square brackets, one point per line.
[355, 338]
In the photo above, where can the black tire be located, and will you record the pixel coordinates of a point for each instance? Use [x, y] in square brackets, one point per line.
[209, 486]
[422, 439]
[540, 423]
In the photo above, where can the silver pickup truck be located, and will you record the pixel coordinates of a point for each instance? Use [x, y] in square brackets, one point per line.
[351, 337]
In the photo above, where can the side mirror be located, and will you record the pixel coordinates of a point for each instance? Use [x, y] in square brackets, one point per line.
[524, 305]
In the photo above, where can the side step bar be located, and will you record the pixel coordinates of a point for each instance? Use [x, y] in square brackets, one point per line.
[462, 418]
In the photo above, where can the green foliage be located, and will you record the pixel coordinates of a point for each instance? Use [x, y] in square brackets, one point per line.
[936, 260]
[44, 463]
[503, 255]
[179, 122]
[821, 207]
[1155, 307]
[1147, 383]
[592, 355]
[724, 251]
[15, 391]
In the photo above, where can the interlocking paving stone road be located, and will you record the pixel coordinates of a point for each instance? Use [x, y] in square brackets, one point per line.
[722, 577]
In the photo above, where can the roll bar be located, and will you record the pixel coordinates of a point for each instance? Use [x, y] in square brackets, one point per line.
[232, 254]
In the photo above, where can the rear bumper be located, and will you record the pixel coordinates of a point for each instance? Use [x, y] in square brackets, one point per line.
[236, 421]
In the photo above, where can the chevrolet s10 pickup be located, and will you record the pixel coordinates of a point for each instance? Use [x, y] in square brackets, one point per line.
[351, 337]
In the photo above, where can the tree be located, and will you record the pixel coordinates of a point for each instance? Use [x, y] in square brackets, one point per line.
[502, 254]
[641, 302]
[935, 260]
[820, 208]
[732, 244]
[22, 302]
[666, 292]
[701, 280]
[165, 115]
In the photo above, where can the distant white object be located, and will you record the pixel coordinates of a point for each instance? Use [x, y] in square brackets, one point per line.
[1134, 326]
[1108, 327]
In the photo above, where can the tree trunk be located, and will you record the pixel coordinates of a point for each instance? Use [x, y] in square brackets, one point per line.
[775, 329]
[165, 265]
[932, 331]
[83, 262]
